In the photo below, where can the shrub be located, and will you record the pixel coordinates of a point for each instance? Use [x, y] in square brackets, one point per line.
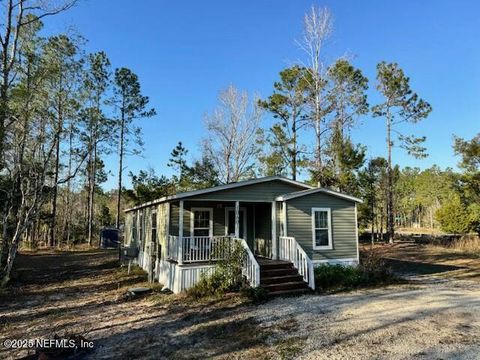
[372, 270]
[226, 276]
[255, 295]
[336, 276]
[455, 217]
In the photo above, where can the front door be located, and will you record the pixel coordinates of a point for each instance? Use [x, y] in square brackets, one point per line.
[230, 222]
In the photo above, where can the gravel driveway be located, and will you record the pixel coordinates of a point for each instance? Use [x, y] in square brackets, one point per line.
[440, 320]
[433, 318]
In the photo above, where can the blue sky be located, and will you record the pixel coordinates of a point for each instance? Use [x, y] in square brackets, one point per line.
[186, 51]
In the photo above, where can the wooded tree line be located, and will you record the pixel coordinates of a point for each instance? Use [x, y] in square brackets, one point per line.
[325, 102]
[62, 110]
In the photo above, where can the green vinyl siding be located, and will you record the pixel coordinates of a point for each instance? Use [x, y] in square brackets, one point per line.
[266, 191]
[162, 227]
[174, 214]
[299, 225]
[127, 235]
[218, 216]
[258, 219]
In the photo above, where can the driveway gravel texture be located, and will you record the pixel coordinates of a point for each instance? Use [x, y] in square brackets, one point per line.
[430, 318]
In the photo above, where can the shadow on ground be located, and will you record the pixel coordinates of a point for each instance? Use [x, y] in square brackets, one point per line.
[405, 267]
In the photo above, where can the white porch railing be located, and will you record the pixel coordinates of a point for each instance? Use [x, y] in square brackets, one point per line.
[290, 250]
[205, 248]
[251, 268]
[196, 248]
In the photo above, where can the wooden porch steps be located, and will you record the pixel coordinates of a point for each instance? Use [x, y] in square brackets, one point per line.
[281, 278]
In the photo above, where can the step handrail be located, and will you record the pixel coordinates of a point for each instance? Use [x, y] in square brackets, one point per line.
[251, 268]
[291, 250]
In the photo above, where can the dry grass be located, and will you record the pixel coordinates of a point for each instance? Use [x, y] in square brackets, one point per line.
[469, 244]
[82, 293]
[430, 260]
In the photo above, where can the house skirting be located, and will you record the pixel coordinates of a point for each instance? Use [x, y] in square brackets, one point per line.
[345, 262]
[178, 278]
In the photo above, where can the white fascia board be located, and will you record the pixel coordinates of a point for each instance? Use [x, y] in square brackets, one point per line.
[301, 193]
[219, 188]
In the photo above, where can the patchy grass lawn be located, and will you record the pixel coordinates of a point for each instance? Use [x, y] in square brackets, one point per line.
[83, 293]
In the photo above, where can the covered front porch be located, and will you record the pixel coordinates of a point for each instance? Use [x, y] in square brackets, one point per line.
[199, 231]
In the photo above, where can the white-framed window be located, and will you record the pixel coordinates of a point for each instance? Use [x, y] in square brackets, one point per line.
[201, 222]
[322, 229]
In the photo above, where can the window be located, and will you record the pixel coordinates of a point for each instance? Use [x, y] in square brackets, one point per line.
[321, 228]
[141, 227]
[134, 227]
[201, 222]
[154, 226]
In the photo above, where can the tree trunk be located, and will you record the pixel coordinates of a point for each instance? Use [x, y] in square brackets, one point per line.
[68, 212]
[390, 217]
[91, 203]
[294, 144]
[4, 101]
[55, 192]
[373, 223]
[91, 185]
[58, 133]
[120, 168]
[318, 150]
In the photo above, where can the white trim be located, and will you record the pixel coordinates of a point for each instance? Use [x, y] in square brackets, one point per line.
[274, 231]
[329, 217]
[285, 218]
[356, 233]
[224, 200]
[254, 224]
[210, 221]
[230, 208]
[301, 193]
[167, 233]
[237, 219]
[180, 231]
[348, 261]
[219, 188]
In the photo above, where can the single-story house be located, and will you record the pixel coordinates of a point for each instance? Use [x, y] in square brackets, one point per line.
[286, 227]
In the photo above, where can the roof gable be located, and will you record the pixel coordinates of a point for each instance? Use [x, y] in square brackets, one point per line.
[297, 194]
[220, 188]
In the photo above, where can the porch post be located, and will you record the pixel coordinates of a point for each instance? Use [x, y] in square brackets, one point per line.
[180, 234]
[237, 219]
[274, 230]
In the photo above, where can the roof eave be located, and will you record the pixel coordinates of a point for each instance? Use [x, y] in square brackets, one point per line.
[217, 188]
[290, 196]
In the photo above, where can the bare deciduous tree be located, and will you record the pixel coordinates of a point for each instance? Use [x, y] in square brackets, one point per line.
[317, 29]
[232, 128]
